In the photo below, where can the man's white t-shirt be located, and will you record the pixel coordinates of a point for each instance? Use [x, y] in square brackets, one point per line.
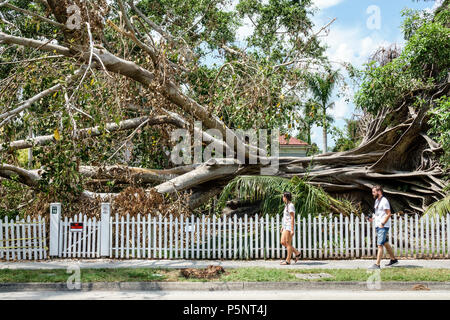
[380, 213]
[287, 219]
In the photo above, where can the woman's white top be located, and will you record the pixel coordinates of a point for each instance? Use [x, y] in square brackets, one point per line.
[287, 219]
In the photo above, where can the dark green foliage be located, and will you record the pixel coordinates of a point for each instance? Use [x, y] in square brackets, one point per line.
[423, 63]
[348, 138]
[440, 127]
[12, 194]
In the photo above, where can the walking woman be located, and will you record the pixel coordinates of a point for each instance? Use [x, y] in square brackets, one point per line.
[287, 229]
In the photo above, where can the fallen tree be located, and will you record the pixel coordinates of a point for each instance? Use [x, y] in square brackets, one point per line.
[395, 151]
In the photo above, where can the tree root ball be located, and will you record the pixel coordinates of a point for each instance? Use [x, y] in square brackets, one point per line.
[209, 272]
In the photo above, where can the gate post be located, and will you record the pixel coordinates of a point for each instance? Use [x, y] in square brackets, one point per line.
[104, 229]
[55, 218]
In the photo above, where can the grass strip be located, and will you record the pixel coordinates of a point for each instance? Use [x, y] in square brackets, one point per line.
[254, 274]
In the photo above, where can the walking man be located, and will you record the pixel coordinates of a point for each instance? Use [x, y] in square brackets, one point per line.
[382, 222]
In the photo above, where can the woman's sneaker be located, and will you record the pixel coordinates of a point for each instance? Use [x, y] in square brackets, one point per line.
[374, 267]
[392, 263]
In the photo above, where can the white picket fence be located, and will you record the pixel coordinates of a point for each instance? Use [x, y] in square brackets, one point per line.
[322, 237]
[23, 239]
[256, 237]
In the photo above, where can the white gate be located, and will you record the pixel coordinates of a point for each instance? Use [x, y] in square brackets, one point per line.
[79, 237]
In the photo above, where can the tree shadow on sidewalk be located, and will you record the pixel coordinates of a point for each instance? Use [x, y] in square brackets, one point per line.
[315, 263]
[409, 266]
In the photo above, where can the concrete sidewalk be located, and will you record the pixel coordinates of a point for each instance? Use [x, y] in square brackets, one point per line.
[135, 263]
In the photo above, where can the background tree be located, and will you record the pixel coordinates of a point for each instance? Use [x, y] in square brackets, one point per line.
[348, 138]
[309, 118]
[322, 86]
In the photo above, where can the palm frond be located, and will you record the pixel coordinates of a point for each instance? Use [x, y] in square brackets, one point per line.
[254, 188]
[439, 208]
[308, 199]
[322, 85]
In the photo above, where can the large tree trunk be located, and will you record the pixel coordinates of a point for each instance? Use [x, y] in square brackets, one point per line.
[324, 131]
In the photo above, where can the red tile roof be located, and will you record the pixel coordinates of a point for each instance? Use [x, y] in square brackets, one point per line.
[292, 141]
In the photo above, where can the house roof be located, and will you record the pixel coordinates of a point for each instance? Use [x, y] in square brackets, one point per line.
[291, 142]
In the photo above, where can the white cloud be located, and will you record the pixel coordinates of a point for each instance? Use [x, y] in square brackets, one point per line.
[351, 45]
[340, 110]
[323, 4]
[245, 30]
[436, 5]
[230, 5]
[316, 134]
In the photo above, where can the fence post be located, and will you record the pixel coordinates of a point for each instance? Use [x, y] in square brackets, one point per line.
[55, 217]
[104, 229]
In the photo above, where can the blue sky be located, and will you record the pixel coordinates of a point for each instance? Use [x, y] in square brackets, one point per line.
[352, 39]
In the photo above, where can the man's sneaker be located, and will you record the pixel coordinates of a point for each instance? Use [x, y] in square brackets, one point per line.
[392, 263]
[374, 267]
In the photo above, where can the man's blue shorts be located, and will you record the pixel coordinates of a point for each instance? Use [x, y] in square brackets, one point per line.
[381, 235]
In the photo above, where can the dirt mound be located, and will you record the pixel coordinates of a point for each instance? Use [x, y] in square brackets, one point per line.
[420, 287]
[209, 272]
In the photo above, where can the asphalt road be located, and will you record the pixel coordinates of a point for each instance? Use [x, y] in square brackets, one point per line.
[228, 295]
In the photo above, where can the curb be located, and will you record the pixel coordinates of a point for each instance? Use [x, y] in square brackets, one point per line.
[222, 286]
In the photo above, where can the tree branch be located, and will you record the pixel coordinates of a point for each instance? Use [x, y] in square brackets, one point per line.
[91, 132]
[26, 104]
